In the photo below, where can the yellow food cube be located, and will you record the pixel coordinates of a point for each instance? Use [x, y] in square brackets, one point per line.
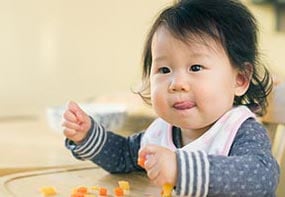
[95, 187]
[124, 185]
[48, 191]
[167, 190]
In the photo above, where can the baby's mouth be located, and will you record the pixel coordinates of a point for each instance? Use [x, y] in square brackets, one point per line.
[183, 105]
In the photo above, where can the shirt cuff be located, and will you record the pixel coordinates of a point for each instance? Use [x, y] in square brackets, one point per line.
[91, 145]
[193, 173]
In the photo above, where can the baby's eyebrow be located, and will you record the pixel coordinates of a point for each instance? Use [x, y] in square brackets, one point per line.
[160, 58]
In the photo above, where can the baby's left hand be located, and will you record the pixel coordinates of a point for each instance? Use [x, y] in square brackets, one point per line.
[160, 164]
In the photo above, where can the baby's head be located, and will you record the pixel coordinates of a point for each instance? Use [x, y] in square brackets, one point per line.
[228, 23]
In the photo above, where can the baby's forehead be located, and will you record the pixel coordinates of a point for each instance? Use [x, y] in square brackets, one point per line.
[190, 38]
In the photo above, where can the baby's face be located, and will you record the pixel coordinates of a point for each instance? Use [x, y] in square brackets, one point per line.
[192, 84]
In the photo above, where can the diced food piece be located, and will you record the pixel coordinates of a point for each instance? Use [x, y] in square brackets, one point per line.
[79, 191]
[125, 186]
[167, 190]
[89, 195]
[141, 162]
[48, 191]
[118, 192]
[77, 195]
[103, 191]
[82, 189]
[95, 187]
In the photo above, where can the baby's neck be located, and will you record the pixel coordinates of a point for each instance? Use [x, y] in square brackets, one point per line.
[189, 135]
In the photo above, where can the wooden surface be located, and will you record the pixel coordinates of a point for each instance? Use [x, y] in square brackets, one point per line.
[33, 156]
[276, 108]
[30, 143]
[66, 179]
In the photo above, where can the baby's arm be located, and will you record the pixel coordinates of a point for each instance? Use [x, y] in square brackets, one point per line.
[113, 152]
[249, 170]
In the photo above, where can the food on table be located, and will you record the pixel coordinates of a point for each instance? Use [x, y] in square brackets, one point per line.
[125, 186]
[80, 191]
[103, 192]
[95, 187]
[122, 190]
[48, 191]
[118, 192]
[77, 195]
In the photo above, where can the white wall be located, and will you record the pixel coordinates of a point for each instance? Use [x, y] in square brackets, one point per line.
[272, 43]
[55, 50]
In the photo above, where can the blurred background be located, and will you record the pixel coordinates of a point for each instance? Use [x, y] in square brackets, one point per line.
[56, 50]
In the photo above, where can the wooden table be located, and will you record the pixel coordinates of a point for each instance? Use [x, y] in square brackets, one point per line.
[33, 156]
[27, 144]
[66, 179]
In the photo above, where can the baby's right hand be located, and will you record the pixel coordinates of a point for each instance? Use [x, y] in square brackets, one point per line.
[76, 123]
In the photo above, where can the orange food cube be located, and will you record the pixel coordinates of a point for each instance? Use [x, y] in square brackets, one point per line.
[102, 191]
[48, 191]
[78, 194]
[118, 192]
[141, 162]
[83, 190]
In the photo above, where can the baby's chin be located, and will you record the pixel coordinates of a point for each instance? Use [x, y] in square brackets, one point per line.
[194, 128]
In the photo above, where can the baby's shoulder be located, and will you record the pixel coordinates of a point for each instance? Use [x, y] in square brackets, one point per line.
[252, 130]
[251, 126]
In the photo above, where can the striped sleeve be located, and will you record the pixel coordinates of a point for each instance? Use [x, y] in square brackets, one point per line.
[92, 145]
[193, 173]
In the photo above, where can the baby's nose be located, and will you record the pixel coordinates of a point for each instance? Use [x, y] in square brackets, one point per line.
[179, 84]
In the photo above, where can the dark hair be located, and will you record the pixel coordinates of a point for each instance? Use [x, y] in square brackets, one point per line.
[226, 21]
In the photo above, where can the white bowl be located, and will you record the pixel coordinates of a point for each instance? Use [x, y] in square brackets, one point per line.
[111, 116]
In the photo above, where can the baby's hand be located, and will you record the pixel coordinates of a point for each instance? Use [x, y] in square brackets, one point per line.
[160, 164]
[76, 123]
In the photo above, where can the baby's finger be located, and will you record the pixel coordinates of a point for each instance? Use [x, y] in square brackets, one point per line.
[81, 115]
[69, 116]
[72, 105]
[69, 133]
[71, 125]
[153, 173]
[75, 108]
[147, 150]
[149, 162]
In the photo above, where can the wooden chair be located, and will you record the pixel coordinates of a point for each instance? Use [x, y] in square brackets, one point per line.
[274, 120]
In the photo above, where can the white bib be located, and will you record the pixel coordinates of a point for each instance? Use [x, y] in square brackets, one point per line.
[217, 140]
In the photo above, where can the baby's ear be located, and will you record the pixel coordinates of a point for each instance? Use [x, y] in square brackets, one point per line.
[243, 79]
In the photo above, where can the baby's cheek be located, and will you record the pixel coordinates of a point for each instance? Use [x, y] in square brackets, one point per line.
[158, 99]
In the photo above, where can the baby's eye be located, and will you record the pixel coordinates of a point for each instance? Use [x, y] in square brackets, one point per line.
[164, 70]
[195, 68]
